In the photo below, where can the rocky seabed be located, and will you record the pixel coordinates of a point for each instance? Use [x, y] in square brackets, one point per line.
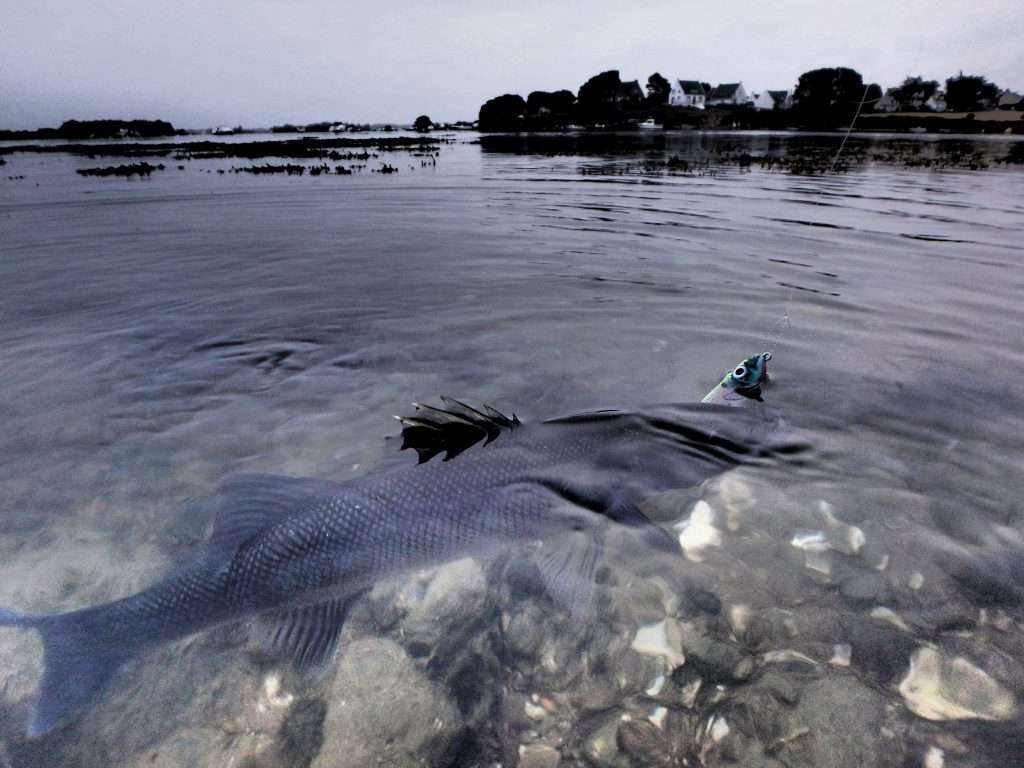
[792, 630]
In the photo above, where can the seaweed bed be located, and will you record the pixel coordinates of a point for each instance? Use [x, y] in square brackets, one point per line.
[133, 169]
[293, 148]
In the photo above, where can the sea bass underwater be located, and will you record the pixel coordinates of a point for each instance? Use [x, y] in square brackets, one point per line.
[296, 552]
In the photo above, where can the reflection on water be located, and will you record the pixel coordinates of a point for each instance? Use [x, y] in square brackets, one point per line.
[860, 609]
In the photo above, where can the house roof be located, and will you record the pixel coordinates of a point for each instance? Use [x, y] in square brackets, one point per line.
[724, 91]
[779, 97]
[1008, 98]
[691, 88]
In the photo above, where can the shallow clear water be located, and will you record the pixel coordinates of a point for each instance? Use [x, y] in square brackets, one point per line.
[160, 335]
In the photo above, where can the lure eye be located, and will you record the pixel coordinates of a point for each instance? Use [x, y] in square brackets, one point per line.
[740, 372]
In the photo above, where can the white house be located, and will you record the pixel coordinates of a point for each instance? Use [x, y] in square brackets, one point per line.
[936, 102]
[763, 100]
[888, 102]
[687, 93]
[728, 94]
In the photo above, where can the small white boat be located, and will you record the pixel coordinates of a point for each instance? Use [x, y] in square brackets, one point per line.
[648, 124]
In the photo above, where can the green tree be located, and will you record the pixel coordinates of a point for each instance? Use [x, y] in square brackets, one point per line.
[543, 102]
[914, 92]
[503, 113]
[969, 93]
[423, 124]
[658, 89]
[599, 97]
[829, 97]
[547, 111]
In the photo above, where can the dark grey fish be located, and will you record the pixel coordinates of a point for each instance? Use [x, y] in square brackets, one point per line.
[295, 552]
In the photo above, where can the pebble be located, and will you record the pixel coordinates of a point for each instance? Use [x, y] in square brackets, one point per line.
[644, 741]
[657, 716]
[534, 711]
[739, 616]
[939, 688]
[687, 685]
[779, 687]
[934, 758]
[698, 532]
[656, 686]
[848, 539]
[538, 756]
[817, 551]
[841, 655]
[661, 639]
[602, 748]
[889, 616]
[794, 660]
[862, 587]
[714, 659]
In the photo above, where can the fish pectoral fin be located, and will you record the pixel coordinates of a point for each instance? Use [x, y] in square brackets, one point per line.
[625, 511]
[248, 504]
[568, 567]
[305, 637]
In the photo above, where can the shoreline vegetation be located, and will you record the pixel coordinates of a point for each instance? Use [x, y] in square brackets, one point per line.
[90, 130]
[831, 98]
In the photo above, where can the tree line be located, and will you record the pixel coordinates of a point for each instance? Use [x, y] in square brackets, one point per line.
[823, 98]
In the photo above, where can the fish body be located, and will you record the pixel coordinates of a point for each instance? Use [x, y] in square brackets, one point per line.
[294, 552]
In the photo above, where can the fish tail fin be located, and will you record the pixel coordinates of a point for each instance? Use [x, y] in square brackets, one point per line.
[78, 662]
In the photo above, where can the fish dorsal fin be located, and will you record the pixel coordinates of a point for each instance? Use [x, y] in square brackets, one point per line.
[306, 637]
[249, 504]
[452, 429]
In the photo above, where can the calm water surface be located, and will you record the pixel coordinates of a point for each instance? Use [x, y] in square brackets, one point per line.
[160, 335]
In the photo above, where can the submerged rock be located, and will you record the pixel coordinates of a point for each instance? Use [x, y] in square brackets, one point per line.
[699, 532]
[844, 720]
[538, 756]
[863, 588]
[663, 639]
[939, 688]
[381, 709]
[716, 660]
[601, 748]
[433, 607]
[645, 742]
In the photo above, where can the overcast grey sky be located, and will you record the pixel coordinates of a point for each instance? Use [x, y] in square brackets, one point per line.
[260, 62]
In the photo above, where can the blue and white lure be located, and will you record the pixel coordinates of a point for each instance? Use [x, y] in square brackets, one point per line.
[742, 384]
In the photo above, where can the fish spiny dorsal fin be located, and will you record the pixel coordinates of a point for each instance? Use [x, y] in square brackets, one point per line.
[452, 429]
[249, 504]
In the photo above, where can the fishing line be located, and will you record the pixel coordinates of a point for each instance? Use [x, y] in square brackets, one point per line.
[849, 130]
[780, 327]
